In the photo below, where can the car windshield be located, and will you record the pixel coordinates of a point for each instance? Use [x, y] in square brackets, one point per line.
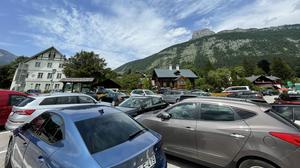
[148, 92]
[25, 102]
[136, 102]
[104, 132]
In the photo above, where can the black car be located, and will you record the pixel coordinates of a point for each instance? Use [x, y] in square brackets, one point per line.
[136, 105]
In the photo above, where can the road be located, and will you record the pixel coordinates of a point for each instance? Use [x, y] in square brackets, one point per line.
[173, 162]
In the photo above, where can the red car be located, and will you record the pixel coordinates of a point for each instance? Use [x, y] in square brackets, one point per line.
[9, 98]
[293, 99]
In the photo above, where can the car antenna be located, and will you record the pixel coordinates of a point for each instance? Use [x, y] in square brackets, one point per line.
[101, 111]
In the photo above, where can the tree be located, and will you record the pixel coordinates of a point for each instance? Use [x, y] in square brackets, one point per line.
[129, 81]
[238, 72]
[249, 67]
[281, 69]
[86, 64]
[219, 78]
[264, 65]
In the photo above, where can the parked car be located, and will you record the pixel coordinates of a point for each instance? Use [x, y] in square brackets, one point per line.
[288, 111]
[163, 90]
[246, 95]
[8, 99]
[270, 92]
[173, 96]
[141, 92]
[233, 89]
[222, 132]
[33, 92]
[33, 106]
[288, 99]
[134, 106]
[84, 136]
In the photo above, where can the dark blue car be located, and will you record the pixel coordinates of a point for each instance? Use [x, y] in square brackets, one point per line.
[85, 136]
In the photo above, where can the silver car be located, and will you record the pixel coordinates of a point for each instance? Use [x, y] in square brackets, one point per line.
[220, 132]
[33, 106]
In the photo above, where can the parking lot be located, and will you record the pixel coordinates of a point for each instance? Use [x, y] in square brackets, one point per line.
[173, 162]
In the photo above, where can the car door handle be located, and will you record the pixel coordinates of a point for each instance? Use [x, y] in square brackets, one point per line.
[41, 159]
[237, 135]
[190, 128]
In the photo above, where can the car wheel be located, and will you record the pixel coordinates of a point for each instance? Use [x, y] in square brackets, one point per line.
[251, 163]
[7, 163]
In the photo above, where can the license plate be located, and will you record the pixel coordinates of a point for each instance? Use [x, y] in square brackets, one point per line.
[149, 163]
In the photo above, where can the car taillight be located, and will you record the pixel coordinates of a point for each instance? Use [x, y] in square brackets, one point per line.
[290, 138]
[25, 112]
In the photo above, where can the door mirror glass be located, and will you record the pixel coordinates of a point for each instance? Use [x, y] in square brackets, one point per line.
[164, 116]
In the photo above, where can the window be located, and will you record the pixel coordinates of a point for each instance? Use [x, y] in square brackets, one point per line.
[214, 112]
[49, 65]
[56, 86]
[16, 99]
[284, 111]
[107, 131]
[297, 113]
[27, 74]
[148, 92]
[85, 99]
[47, 87]
[67, 100]
[58, 75]
[49, 76]
[186, 111]
[244, 114]
[25, 102]
[40, 75]
[156, 100]
[61, 65]
[37, 86]
[48, 101]
[48, 127]
[37, 64]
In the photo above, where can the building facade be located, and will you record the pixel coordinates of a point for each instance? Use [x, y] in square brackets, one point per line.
[42, 71]
[265, 81]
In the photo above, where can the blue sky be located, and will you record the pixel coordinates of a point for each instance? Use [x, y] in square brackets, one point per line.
[125, 30]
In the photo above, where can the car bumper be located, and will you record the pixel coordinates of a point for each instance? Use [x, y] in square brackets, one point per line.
[12, 125]
[292, 160]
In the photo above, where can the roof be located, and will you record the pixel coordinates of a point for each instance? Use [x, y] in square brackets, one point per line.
[166, 73]
[47, 95]
[77, 80]
[108, 83]
[38, 54]
[3, 91]
[254, 77]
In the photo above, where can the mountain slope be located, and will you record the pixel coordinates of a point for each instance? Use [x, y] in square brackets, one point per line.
[6, 57]
[227, 48]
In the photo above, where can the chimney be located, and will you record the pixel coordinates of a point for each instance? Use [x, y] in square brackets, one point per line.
[177, 67]
[170, 67]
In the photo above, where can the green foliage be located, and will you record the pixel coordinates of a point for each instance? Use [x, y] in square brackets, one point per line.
[146, 83]
[281, 69]
[87, 64]
[238, 71]
[219, 78]
[249, 67]
[264, 65]
[129, 81]
[241, 82]
[7, 72]
[188, 85]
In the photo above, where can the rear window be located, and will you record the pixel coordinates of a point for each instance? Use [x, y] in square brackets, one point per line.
[244, 114]
[25, 102]
[282, 119]
[107, 131]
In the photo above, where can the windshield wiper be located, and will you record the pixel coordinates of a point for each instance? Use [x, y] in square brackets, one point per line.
[133, 135]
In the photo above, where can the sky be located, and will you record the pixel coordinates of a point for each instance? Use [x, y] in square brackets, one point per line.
[125, 30]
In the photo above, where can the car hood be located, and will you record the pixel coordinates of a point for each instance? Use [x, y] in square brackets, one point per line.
[131, 153]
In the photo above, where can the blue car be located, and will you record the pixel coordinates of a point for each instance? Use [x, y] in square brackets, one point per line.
[85, 136]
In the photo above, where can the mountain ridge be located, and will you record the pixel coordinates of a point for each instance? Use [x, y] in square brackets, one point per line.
[6, 57]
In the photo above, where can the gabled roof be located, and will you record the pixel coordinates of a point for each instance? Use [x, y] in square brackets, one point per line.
[254, 77]
[44, 51]
[166, 73]
[77, 80]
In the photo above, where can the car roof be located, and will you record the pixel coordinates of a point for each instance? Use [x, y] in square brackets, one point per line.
[3, 91]
[78, 113]
[41, 96]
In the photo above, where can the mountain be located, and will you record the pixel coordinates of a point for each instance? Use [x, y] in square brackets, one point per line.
[6, 57]
[226, 48]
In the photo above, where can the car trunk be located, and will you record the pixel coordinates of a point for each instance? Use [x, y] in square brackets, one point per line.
[132, 153]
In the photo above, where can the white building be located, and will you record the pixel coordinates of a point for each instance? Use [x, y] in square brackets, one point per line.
[42, 71]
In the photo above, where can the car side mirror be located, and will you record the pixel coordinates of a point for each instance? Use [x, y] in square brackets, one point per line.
[164, 116]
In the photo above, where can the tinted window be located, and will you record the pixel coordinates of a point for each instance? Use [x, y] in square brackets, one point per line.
[214, 112]
[244, 114]
[148, 92]
[107, 131]
[157, 100]
[85, 99]
[186, 111]
[284, 111]
[25, 101]
[67, 100]
[49, 101]
[297, 113]
[281, 119]
[16, 99]
[48, 127]
[136, 102]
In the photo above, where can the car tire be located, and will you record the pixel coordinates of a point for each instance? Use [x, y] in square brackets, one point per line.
[252, 163]
[7, 163]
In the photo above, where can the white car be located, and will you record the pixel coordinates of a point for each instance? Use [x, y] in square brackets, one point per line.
[141, 92]
[33, 106]
[233, 89]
